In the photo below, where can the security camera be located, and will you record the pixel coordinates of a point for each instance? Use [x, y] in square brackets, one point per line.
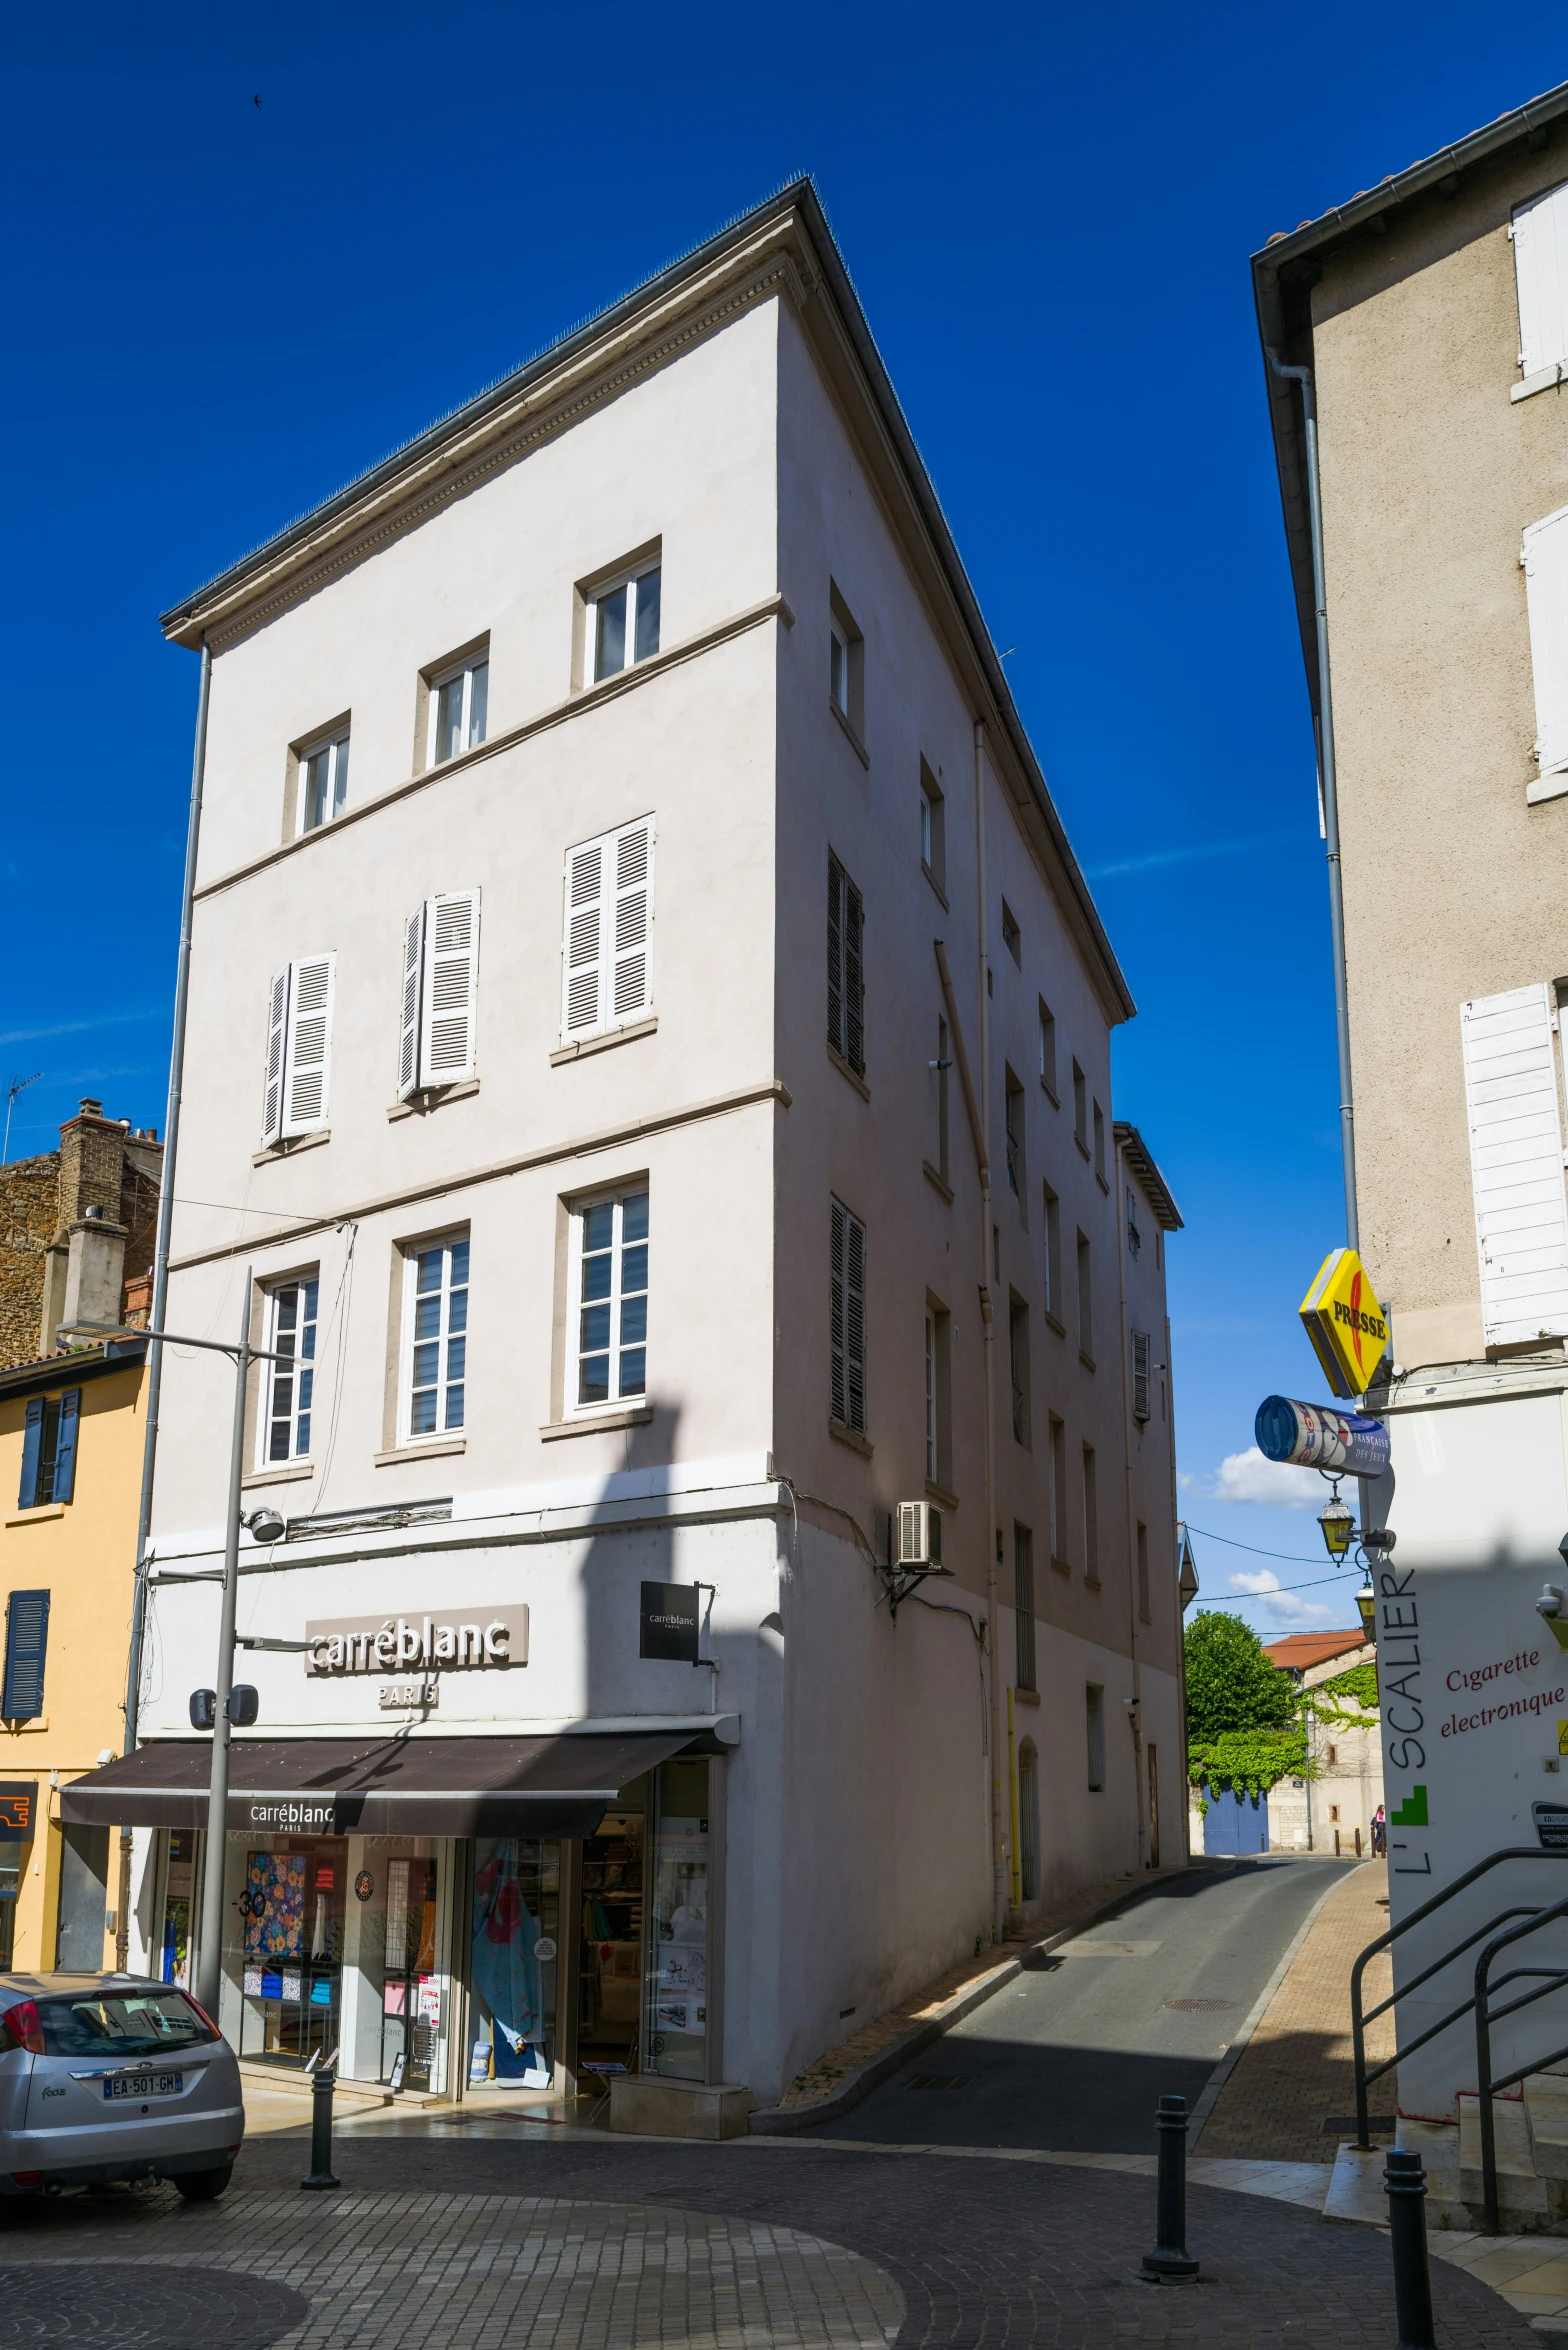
[1550, 1603]
[267, 1525]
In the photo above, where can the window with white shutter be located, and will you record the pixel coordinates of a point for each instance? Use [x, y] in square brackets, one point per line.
[607, 950]
[1546, 594]
[1541, 268]
[1140, 1374]
[1516, 1165]
[299, 1048]
[440, 992]
[847, 1314]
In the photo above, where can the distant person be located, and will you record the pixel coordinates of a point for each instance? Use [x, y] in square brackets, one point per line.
[1379, 1834]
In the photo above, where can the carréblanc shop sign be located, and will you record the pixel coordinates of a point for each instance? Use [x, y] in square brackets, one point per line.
[463, 1640]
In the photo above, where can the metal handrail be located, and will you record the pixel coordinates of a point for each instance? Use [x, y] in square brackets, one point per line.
[1358, 2021]
[1486, 2087]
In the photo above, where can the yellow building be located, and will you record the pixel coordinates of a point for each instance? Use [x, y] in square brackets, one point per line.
[76, 1237]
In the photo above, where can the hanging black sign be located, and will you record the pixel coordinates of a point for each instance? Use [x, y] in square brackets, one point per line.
[669, 1622]
[17, 1797]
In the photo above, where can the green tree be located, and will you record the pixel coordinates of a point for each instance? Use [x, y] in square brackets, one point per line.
[1231, 1685]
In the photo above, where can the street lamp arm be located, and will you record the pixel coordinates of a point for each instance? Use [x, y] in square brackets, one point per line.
[217, 1346]
[282, 1647]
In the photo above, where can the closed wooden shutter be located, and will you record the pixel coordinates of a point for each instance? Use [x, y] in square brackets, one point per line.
[846, 976]
[1546, 594]
[1140, 1374]
[1541, 268]
[580, 952]
[26, 1645]
[277, 1045]
[451, 987]
[632, 950]
[607, 954]
[65, 1445]
[308, 1063]
[1516, 1165]
[847, 1315]
[412, 1014]
[32, 1441]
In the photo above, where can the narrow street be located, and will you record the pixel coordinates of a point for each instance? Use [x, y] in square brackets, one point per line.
[1073, 2056]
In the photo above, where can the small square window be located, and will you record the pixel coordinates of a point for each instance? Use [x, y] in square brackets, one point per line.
[1047, 1048]
[323, 782]
[1012, 936]
[623, 623]
[609, 1301]
[933, 827]
[846, 665]
[459, 702]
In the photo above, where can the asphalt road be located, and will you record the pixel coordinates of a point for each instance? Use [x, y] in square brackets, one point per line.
[1074, 2056]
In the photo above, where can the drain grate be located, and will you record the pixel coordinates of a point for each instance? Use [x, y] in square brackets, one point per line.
[940, 2080]
[1200, 2006]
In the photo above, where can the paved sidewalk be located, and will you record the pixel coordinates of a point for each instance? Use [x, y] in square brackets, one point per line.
[458, 2242]
[1293, 2087]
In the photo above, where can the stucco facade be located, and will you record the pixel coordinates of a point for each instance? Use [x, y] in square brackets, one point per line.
[729, 425]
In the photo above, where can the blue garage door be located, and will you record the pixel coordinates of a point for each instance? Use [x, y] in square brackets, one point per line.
[1235, 1824]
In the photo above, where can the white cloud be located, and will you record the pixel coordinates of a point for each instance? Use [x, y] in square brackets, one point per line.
[1286, 1606]
[1248, 1476]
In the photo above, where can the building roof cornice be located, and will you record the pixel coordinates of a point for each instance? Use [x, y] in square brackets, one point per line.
[783, 247]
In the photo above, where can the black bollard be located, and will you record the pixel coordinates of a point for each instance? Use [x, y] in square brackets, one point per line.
[1405, 2180]
[321, 2088]
[1170, 2257]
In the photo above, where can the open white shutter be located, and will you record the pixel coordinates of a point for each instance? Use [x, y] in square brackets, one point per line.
[451, 987]
[581, 949]
[408, 1076]
[629, 980]
[1541, 266]
[1516, 1165]
[277, 1039]
[309, 1060]
[1546, 593]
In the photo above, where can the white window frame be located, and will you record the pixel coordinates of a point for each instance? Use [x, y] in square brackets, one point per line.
[618, 1400]
[632, 579]
[467, 671]
[335, 746]
[412, 1251]
[607, 932]
[305, 1365]
[838, 668]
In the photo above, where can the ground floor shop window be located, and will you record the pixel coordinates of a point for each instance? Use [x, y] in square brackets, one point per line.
[174, 1962]
[292, 1981]
[677, 1958]
[609, 1987]
[513, 1962]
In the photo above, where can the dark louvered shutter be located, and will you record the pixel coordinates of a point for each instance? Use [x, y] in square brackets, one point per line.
[854, 980]
[65, 1446]
[835, 954]
[32, 1443]
[838, 1218]
[855, 1321]
[26, 1640]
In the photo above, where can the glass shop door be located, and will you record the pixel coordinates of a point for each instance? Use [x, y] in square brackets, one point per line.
[179, 1890]
[610, 1945]
[410, 2003]
[513, 1963]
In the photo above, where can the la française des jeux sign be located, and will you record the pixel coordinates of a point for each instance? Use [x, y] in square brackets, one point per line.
[471, 1639]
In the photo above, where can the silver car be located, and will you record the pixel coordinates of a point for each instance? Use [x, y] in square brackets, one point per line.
[106, 2077]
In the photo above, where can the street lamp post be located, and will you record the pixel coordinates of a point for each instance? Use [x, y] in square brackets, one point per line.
[209, 1975]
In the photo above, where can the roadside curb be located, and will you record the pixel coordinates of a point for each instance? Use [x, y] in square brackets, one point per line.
[776, 2121]
[1198, 2119]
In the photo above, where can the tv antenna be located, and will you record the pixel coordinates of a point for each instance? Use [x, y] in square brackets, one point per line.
[16, 1086]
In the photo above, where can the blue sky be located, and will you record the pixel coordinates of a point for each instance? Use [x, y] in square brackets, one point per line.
[220, 311]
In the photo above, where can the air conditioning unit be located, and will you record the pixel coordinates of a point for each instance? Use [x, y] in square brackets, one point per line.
[919, 1538]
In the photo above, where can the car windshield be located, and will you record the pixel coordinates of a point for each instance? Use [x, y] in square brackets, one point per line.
[119, 2023]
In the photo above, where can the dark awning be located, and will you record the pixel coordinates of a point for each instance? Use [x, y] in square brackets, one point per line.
[381, 1786]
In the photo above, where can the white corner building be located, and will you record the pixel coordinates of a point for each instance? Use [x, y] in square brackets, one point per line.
[648, 1054]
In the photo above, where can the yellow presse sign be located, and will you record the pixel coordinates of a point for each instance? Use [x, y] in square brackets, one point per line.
[1346, 1324]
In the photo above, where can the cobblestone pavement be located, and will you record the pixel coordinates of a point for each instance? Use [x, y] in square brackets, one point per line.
[494, 2244]
[1296, 2074]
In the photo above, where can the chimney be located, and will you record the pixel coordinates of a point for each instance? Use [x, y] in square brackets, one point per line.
[95, 1271]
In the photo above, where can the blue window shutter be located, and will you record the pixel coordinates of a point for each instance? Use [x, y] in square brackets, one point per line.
[65, 1445]
[32, 1438]
[26, 1639]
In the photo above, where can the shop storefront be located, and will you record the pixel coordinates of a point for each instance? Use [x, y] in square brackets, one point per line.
[550, 1930]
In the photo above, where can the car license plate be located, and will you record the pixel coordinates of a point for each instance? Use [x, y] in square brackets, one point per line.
[143, 2085]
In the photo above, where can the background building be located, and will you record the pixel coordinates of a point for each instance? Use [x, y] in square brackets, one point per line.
[1347, 1757]
[649, 1052]
[1431, 317]
[76, 1237]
